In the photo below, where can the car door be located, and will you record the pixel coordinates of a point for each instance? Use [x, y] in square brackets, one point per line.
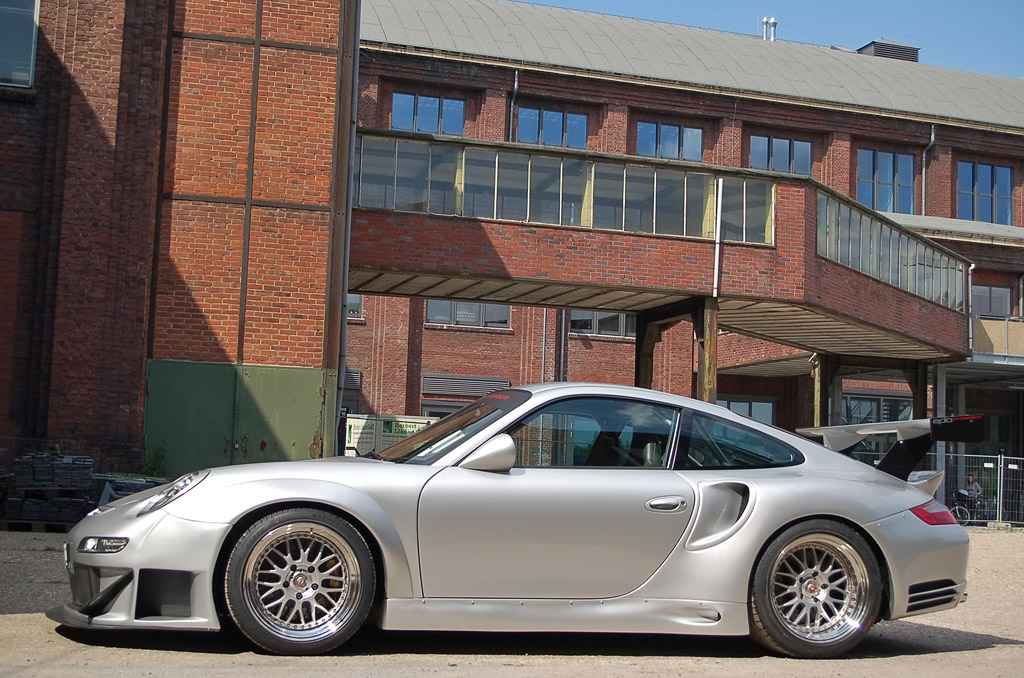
[591, 510]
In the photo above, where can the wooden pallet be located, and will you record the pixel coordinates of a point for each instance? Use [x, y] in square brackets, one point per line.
[34, 526]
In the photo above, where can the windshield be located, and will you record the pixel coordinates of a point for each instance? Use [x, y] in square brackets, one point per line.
[441, 437]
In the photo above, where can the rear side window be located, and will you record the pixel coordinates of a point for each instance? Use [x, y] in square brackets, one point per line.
[709, 442]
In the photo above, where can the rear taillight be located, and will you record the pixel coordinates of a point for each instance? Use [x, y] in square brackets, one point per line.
[934, 513]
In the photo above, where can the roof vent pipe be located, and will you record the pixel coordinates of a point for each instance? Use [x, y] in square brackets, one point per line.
[764, 28]
[772, 23]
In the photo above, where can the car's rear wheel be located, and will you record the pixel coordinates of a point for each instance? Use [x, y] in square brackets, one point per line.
[299, 582]
[816, 591]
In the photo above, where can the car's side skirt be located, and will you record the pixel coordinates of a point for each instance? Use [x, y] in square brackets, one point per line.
[618, 615]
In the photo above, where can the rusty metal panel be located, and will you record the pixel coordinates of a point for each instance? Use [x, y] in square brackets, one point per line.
[279, 413]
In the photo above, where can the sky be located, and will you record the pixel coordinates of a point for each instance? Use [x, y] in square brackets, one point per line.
[984, 36]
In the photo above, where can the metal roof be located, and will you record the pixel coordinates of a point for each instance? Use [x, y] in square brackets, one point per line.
[526, 35]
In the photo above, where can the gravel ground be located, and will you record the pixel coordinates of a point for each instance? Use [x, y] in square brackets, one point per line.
[983, 637]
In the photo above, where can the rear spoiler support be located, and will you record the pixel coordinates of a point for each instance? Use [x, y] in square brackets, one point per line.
[914, 438]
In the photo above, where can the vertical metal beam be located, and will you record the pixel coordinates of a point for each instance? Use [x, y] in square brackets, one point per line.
[917, 379]
[824, 373]
[940, 411]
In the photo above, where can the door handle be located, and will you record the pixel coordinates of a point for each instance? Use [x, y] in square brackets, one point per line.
[666, 504]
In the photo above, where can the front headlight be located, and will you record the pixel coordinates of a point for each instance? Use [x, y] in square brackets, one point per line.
[172, 492]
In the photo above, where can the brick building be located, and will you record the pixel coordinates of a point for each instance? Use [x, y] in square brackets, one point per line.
[801, 233]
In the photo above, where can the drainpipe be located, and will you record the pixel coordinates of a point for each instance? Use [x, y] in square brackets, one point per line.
[511, 114]
[970, 308]
[924, 173]
[718, 240]
[544, 348]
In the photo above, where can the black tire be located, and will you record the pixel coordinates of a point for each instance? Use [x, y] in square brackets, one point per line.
[815, 592]
[299, 582]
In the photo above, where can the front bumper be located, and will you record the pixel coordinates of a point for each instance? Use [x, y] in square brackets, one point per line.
[162, 579]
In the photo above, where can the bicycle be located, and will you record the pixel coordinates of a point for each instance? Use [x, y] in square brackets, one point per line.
[964, 506]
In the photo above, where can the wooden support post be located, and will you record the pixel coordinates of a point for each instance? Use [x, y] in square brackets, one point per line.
[706, 326]
[825, 370]
[917, 379]
[647, 337]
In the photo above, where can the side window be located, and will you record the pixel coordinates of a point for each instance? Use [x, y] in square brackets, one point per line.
[595, 432]
[709, 442]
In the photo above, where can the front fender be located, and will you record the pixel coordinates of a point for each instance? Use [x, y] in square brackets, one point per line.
[232, 504]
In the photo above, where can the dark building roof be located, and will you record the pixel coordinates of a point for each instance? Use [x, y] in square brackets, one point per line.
[534, 36]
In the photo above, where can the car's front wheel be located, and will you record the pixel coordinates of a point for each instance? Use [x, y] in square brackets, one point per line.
[816, 591]
[299, 582]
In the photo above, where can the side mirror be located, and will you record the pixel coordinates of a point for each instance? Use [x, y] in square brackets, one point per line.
[497, 455]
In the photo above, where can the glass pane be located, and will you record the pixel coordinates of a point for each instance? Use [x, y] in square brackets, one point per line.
[883, 252]
[545, 179]
[802, 157]
[905, 200]
[984, 208]
[670, 204]
[467, 313]
[965, 177]
[581, 321]
[639, 199]
[759, 201]
[822, 223]
[17, 42]
[759, 152]
[866, 193]
[444, 161]
[1004, 181]
[576, 130]
[355, 305]
[513, 174]
[832, 218]
[1004, 211]
[732, 209]
[865, 165]
[669, 144]
[762, 412]
[609, 323]
[844, 235]
[630, 324]
[780, 155]
[1001, 303]
[905, 169]
[608, 180]
[693, 144]
[529, 125]
[496, 315]
[700, 205]
[965, 206]
[439, 311]
[885, 198]
[984, 179]
[377, 178]
[478, 195]
[428, 114]
[453, 118]
[855, 219]
[413, 171]
[646, 138]
[574, 185]
[895, 257]
[886, 167]
[552, 128]
[402, 109]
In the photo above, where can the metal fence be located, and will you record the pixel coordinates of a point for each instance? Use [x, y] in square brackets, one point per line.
[1001, 478]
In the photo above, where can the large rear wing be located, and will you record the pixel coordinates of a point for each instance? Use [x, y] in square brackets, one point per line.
[914, 438]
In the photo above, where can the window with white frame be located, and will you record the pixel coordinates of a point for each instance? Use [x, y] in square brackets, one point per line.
[676, 142]
[551, 127]
[19, 27]
[885, 181]
[429, 114]
[983, 193]
[780, 155]
[608, 323]
[467, 313]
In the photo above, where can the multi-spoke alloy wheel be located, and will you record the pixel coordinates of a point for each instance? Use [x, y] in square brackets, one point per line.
[299, 582]
[816, 591]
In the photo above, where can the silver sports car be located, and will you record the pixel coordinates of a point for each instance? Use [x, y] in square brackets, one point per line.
[556, 507]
